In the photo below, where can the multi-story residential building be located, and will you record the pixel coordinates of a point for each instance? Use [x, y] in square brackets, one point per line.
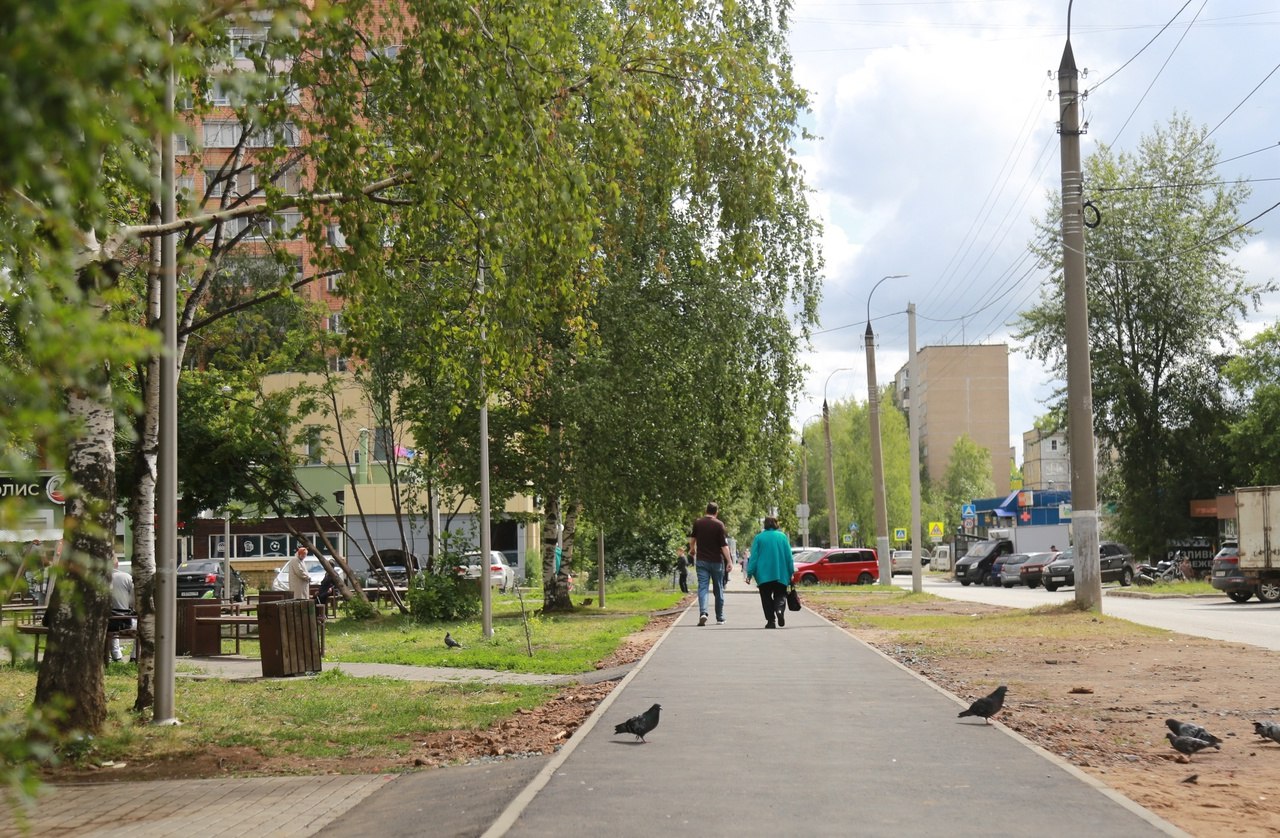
[961, 390]
[1046, 462]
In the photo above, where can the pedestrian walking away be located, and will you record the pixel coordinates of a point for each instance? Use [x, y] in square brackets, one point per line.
[123, 613]
[682, 565]
[771, 566]
[709, 543]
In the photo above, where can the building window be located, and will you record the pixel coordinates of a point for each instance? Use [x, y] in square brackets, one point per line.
[335, 323]
[287, 223]
[290, 180]
[383, 445]
[299, 268]
[1053, 445]
[331, 282]
[221, 134]
[335, 236]
[186, 186]
[338, 364]
[180, 144]
[315, 445]
[214, 185]
[247, 42]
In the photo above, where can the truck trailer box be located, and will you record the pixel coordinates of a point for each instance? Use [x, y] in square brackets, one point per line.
[1258, 525]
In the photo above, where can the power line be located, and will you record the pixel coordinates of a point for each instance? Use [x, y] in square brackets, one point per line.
[1159, 72]
[1144, 47]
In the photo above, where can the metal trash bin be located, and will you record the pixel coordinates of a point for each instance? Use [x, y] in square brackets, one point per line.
[289, 637]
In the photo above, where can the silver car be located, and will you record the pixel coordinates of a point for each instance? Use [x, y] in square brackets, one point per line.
[1011, 566]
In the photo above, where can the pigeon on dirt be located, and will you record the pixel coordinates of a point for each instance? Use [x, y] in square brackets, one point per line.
[640, 725]
[1192, 730]
[987, 706]
[1267, 730]
[450, 642]
[1189, 744]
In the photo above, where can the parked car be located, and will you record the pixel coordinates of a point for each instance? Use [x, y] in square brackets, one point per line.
[975, 565]
[202, 577]
[501, 573]
[902, 561]
[842, 565]
[314, 568]
[1227, 577]
[398, 573]
[1011, 568]
[1116, 565]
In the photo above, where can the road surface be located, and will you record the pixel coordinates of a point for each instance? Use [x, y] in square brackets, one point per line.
[1253, 622]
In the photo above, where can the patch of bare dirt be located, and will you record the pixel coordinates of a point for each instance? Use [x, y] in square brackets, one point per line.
[1101, 705]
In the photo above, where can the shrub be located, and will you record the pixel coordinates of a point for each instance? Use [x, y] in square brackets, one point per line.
[358, 609]
[443, 598]
[533, 568]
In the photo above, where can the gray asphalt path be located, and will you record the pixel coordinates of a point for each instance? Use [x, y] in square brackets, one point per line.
[803, 731]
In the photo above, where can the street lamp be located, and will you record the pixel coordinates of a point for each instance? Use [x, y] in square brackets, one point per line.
[877, 463]
[802, 514]
[832, 537]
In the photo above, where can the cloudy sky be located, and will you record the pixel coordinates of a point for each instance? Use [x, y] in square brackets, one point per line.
[938, 146]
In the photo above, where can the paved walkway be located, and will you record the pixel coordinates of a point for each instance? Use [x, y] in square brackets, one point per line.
[798, 731]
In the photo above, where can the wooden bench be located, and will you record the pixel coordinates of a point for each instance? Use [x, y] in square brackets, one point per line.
[207, 638]
[40, 632]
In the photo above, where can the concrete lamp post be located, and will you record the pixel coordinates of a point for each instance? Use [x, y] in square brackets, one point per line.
[833, 536]
[877, 459]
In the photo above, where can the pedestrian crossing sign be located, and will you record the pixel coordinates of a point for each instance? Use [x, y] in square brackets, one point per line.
[935, 529]
[900, 534]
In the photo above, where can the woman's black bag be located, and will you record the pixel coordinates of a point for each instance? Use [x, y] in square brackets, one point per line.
[793, 599]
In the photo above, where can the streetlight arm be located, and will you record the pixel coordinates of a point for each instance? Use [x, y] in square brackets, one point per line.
[873, 291]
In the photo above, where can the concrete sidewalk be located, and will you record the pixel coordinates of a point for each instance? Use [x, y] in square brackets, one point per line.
[799, 731]
[804, 731]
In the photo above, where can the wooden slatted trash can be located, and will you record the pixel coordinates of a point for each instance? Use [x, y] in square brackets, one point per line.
[289, 637]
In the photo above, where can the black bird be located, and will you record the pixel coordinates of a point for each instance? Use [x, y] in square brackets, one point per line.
[450, 642]
[1188, 744]
[640, 725]
[987, 706]
[1267, 730]
[1194, 731]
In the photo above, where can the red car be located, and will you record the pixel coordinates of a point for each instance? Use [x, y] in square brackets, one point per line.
[841, 566]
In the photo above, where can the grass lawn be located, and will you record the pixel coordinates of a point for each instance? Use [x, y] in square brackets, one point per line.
[338, 716]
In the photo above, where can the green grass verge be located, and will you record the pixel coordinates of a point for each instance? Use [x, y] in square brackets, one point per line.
[331, 716]
[336, 716]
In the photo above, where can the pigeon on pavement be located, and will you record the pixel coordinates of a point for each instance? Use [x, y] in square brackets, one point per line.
[987, 706]
[450, 642]
[1267, 730]
[1189, 744]
[640, 725]
[1192, 730]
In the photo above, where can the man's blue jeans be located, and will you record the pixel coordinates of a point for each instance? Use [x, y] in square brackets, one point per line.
[711, 573]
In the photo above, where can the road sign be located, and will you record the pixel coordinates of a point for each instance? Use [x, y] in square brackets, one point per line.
[802, 510]
[899, 534]
[853, 527]
[846, 539]
[935, 529]
[1064, 512]
[968, 510]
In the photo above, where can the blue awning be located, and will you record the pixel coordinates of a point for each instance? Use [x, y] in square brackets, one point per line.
[1002, 510]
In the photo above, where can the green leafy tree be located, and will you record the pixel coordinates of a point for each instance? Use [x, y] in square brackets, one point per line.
[968, 476]
[1253, 437]
[1163, 293]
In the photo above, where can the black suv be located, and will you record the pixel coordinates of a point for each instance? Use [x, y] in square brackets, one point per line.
[1117, 566]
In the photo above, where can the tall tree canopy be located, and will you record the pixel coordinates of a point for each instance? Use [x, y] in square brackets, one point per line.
[1163, 296]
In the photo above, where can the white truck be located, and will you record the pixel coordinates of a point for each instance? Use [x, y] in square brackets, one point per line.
[1258, 526]
[1034, 539]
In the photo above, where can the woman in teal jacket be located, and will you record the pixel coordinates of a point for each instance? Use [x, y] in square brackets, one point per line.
[772, 568]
